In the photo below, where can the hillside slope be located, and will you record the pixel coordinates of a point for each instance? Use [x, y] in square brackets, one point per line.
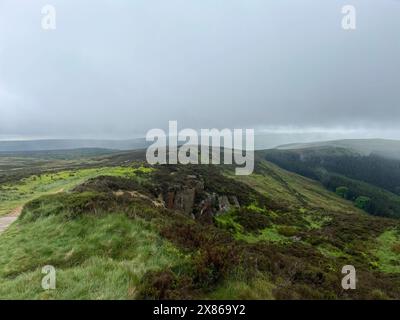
[198, 232]
[372, 182]
[384, 148]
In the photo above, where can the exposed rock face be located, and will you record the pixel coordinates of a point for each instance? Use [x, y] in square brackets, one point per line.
[182, 197]
[296, 238]
[223, 204]
[182, 200]
[191, 198]
[226, 203]
[170, 199]
[207, 207]
[235, 201]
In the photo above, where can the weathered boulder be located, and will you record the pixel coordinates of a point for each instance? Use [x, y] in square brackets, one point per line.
[189, 196]
[223, 204]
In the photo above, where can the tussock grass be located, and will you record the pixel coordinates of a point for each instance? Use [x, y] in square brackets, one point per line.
[259, 288]
[95, 257]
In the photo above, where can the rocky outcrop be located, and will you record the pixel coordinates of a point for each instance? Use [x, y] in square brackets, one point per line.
[182, 196]
[190, 197]
[184, 200]
[235, 201]
[226, 203]
[223, 204]
[207, 208]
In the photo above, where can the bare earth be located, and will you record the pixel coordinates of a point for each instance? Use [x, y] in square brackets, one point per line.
[6, 221]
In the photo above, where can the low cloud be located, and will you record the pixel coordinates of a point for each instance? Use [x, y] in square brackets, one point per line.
[117, 69]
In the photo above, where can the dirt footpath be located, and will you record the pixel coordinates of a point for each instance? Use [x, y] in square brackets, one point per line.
[6, 221]
[10, 218]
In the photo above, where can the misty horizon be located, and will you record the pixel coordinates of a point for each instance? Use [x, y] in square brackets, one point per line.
[264, 138]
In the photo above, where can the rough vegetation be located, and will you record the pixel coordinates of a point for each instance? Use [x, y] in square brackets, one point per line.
[169, 232]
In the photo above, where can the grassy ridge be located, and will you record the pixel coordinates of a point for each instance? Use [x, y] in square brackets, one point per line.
[13, 195]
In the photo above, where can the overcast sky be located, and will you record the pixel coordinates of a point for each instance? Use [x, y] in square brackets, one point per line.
[115, 69]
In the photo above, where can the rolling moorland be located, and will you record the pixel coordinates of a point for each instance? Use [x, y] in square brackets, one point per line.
[116, 228]
[366, 172]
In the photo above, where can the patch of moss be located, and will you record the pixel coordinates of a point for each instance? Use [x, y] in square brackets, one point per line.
[270, 234]
[227, 221]
[387, 253]
[316, 221]
[287, 231]
[329, 250]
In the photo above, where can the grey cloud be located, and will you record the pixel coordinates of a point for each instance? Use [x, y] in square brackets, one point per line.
[120, 68]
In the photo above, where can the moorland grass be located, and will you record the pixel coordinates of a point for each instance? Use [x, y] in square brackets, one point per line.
[16, 194]
[123, 246]
[96, 257]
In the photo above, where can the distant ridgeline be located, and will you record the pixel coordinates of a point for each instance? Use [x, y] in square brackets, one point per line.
[65, 144]
[371, 181]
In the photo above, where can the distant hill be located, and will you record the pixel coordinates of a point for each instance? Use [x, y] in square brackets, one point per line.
[64, 154]
[63, 144]
[366, 172]
[384, 148]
